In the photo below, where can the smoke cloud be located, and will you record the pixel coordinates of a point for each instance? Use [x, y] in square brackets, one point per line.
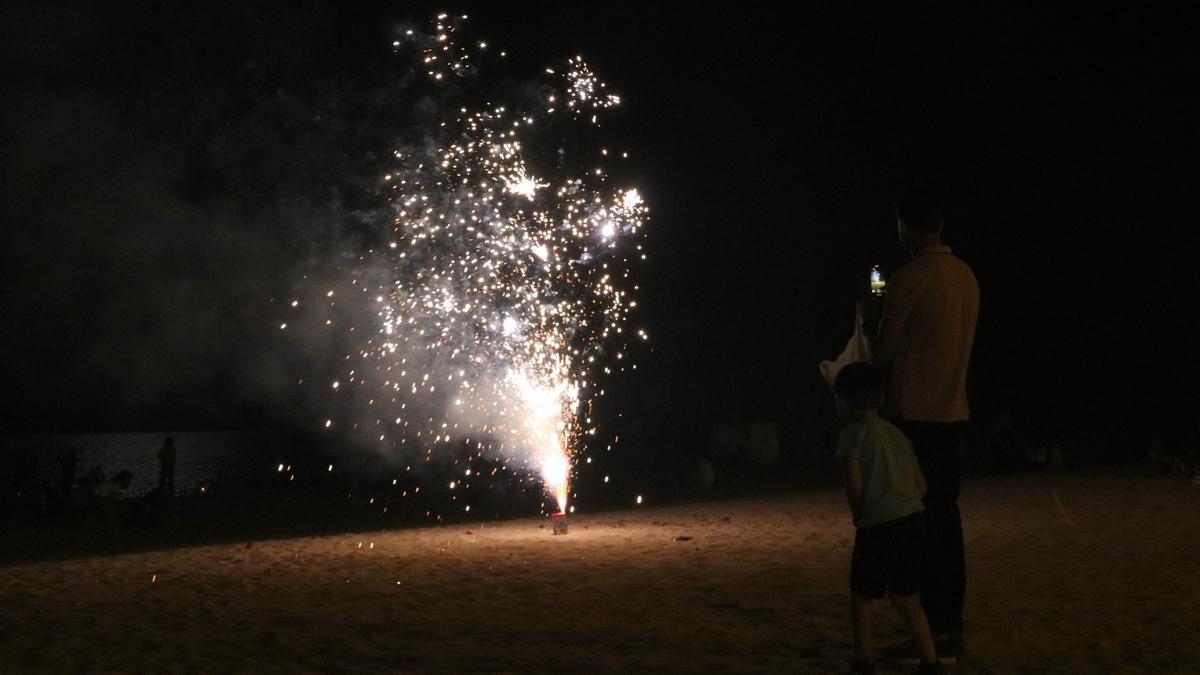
[164, 191]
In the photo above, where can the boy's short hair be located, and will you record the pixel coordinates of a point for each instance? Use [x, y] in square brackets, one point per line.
[921, 209]
[861, 384]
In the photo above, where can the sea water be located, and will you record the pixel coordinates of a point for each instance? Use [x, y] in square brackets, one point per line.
[221, 459]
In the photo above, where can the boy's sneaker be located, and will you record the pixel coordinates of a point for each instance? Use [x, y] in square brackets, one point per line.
[862, 668]
[948, 651]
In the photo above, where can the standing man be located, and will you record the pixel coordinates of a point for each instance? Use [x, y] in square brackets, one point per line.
[166, 466]
[924, 345]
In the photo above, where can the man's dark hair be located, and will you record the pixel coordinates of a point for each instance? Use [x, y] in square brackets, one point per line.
[861, 384]
[921, 209]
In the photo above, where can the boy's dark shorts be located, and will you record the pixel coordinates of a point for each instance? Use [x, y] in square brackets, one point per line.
[887, 557]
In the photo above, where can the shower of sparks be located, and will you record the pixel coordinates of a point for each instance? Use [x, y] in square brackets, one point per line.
[504, 284]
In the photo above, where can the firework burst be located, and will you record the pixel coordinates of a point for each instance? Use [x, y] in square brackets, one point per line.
[503, 286]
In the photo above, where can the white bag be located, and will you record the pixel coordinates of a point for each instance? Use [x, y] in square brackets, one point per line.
[857, 349]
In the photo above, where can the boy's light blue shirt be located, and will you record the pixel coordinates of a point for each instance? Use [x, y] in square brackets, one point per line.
[889, 469]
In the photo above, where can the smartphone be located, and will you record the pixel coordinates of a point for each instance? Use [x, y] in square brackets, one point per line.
[878, 284]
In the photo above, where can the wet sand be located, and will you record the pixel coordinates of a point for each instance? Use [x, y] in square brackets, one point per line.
[1107, 583]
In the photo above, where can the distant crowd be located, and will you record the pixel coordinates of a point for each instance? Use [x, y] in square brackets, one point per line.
[94, 498]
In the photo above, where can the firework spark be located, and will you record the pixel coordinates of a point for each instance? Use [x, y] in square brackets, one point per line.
[504, 282]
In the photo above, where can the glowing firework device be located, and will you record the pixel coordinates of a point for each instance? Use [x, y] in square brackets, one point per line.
[559, 522]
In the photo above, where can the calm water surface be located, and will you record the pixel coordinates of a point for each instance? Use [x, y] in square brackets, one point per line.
[224, 459]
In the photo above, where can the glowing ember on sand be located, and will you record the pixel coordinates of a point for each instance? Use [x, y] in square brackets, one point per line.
[502, 278]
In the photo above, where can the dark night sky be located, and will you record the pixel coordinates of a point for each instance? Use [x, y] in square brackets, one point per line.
[165, 168]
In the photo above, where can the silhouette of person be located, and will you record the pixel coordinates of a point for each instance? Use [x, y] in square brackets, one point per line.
[107, 497]
[68, 460]
[166, 467]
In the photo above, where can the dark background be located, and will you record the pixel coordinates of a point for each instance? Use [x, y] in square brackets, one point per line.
[167, 168]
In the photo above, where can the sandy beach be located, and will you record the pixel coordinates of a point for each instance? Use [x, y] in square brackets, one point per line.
[1106, 583]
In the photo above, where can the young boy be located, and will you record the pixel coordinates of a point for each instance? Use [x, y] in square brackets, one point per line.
[884, 486]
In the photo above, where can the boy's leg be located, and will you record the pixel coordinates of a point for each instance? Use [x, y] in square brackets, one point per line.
[860, 617]
[868, 582]
[910, 610]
